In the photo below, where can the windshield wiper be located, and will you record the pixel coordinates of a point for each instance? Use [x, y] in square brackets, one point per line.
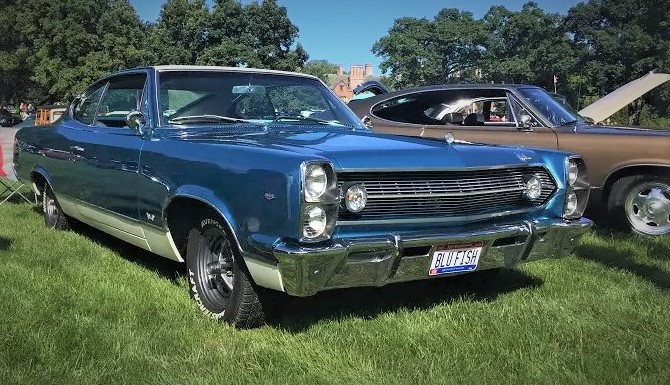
[307, 119]
[206, 119]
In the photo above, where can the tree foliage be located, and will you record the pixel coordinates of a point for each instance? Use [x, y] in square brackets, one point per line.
[320, 68]
[50, 50]
[422, 51]
[598, 46]
[60, 46]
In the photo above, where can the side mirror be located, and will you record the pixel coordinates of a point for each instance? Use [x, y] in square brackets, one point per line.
[526, 122]
[367, 122]
[136, 121]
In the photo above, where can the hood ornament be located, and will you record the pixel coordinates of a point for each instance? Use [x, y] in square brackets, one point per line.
[449, 138]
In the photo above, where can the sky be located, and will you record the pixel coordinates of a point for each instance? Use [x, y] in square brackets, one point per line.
[344, 31]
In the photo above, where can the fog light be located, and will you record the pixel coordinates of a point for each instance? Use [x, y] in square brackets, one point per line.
[355, 198]
[314, 222]
[570, 203]
[533, 188]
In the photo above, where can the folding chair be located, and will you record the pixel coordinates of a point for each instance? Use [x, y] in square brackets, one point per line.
[14, 188]
[8, 181]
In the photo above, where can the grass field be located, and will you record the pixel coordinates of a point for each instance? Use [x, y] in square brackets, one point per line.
[79, 307]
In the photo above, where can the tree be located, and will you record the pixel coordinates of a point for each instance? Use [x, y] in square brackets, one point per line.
[420, 51]
[63, 46]
[623, 40]
[230, 34]
[320, 68]
[180, 33]
[529, 46]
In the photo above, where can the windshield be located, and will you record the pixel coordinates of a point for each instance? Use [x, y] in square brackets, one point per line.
[553, 110]
[230, 97]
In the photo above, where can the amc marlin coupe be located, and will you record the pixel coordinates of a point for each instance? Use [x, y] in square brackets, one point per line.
[261, 179]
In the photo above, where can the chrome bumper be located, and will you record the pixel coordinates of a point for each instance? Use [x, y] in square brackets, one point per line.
[376, 261]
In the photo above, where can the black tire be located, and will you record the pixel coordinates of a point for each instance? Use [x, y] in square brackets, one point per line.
[218, 279]
[641, 204]
[54, 217]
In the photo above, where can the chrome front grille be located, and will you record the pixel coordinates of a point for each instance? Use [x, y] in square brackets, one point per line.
[455, 194]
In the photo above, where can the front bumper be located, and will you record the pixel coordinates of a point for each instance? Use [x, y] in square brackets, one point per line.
[376, 261]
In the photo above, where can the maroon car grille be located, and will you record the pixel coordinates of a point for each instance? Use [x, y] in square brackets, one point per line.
[406, 195]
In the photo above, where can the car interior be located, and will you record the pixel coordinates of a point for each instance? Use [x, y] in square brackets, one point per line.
[468, 107]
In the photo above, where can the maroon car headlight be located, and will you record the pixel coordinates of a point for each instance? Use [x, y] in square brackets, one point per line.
[578, 188]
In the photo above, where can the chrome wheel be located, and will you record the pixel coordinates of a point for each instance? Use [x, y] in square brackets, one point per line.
[53, 215]
[216, 268]
[647, 208]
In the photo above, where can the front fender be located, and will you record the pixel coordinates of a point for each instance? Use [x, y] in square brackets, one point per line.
[209, 198]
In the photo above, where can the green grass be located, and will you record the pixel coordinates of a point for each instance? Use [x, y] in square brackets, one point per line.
[79, 307]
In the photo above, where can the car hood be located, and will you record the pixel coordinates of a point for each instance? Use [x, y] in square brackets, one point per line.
[608, 105]
[364, 150]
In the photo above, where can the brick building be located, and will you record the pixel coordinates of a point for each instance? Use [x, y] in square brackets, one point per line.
[343, 84]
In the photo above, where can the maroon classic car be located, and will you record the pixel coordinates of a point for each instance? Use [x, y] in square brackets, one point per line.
[629, 167]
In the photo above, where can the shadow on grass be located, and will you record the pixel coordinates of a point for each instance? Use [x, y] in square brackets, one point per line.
[164, 267]
[4, 243]
[298, 314]
[611, 256]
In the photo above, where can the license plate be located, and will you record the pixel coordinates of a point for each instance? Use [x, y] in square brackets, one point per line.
[455, 258]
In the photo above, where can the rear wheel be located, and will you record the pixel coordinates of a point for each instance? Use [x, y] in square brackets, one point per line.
[218, 280]
[642, 204]
[54, 218]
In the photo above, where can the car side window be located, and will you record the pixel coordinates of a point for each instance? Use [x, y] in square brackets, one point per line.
[488, 112]
[84, 110]
[520, 113]
[124, 94]
[406, 108]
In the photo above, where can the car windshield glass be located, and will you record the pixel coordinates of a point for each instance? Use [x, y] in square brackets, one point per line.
[240, 98]
[553, 110]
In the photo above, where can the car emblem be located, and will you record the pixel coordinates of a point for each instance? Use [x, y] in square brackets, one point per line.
[269, 196]
[151, 217]
[523, 157]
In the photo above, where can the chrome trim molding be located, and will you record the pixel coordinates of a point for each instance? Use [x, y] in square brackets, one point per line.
[440, 219]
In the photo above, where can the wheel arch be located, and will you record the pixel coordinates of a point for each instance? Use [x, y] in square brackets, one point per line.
[632, 170]
[40, 178]
[190, 207]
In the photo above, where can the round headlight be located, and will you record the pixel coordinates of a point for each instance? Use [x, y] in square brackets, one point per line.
[355, 198]
[533, 188]
[316, 181]
[314, 222]
[570, 203]
[573, 172]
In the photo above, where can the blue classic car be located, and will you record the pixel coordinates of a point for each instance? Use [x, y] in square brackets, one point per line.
[261, 179]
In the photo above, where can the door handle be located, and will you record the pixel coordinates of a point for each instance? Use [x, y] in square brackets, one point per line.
[77, 148]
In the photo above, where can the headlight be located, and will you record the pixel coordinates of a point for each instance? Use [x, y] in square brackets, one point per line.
[533, 187]
[316, 182]
[320, 201]
[355, 198]
[314, 222]
[571, 203]
[573, 172]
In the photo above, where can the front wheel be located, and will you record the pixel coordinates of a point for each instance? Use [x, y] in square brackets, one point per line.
[218, 280]
[642, 204]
